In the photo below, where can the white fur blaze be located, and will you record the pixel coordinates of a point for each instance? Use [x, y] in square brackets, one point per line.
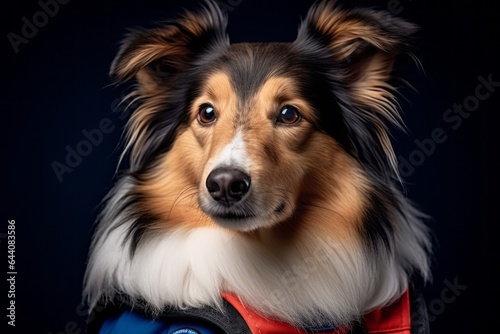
[233, 155]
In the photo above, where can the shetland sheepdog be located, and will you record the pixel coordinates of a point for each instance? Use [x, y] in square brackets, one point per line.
[265, 171]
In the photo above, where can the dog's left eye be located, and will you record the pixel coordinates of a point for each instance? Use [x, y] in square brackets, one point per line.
[288, 115]
[206, 114]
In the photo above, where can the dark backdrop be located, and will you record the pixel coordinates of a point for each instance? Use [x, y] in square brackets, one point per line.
[55, 90]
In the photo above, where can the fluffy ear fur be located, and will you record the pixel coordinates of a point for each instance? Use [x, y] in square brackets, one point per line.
[159, 59]
[361, 45]
[152, 54]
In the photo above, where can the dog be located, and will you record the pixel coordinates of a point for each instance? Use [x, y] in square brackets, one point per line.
[261, 177]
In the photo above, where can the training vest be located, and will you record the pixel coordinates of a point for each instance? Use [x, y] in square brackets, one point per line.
[407, 315]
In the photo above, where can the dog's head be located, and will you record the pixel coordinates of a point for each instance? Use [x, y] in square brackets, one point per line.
[245, 134]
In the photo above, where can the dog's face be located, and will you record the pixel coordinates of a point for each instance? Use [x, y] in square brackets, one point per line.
[250, 148]
[243, 135]
[256, 136]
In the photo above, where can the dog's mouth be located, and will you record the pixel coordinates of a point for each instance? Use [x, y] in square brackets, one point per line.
[243, 219]
[242, 215]
[234, 216]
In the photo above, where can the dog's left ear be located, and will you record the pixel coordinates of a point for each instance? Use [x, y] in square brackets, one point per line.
[362, 42]
[359, 47]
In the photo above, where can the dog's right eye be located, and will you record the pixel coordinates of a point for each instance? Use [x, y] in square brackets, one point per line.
[206, 114]
[288, 115]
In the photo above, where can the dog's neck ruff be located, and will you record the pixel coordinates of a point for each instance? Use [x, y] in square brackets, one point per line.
[320, 281]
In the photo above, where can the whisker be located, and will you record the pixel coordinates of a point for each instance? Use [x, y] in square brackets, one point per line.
[182, 195]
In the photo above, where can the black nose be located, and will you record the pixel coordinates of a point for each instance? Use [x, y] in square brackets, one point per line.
[227, 186]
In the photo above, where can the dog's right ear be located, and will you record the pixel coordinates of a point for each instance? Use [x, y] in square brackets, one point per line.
[151, 55]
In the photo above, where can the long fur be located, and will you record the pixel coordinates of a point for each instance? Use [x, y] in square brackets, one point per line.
[351, 239]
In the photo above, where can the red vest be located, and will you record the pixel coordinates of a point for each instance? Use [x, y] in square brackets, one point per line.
[392, 319]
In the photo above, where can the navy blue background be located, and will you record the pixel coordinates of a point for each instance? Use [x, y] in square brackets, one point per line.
[56, 86]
